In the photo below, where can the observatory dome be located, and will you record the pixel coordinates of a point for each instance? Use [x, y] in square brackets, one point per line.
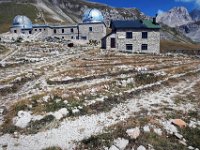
[22, 22]
[92, 15]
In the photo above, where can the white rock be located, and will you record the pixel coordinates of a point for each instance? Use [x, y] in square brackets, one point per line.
[190, 147]
[65, 102]
[46, 98]
[169, 127]
[146, 128]
[158, 131]
[113, 147]
[141, 148]
[121, 143]
[64, 111]
[133, 133]
[22, 120]
[57, 115]
[179, 136]
[75, 111]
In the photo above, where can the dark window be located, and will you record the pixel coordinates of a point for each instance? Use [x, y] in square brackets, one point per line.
[129, 47]
[84, 37]
[40, 30]
[63, 37]
[77, 37]
[63, 30]
[144, 35]
[90, 29]
[55, 31]
[72, 37]
[35, 29]
[44, 29]
[129, 35]
[72, 30]
[30, 32]
[15, 31]
[112, 43]
[144, 47]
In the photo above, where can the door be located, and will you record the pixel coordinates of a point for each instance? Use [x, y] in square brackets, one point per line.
[112, 43]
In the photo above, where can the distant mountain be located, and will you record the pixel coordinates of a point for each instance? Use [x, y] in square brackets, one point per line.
[195, 14]
[176, 16]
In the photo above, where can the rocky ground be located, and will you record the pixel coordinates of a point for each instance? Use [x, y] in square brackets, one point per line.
[56, 97]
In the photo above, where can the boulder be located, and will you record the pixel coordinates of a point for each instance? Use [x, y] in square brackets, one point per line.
[179, 122]
[133, 133]
[158, 131]
[113, 147]
[121, 143]
[141, 147]
[22, 120]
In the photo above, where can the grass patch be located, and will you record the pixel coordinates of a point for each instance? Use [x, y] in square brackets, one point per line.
[192, 135]
[145, 78]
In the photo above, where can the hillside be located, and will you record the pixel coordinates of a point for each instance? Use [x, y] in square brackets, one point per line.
[59, 11]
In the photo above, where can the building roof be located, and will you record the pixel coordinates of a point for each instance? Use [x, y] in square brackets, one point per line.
[134, 24]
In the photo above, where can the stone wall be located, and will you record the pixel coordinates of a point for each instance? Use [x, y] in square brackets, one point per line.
[153, 41]
[97, 33]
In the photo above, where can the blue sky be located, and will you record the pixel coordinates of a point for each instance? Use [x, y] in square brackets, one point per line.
[151, 7]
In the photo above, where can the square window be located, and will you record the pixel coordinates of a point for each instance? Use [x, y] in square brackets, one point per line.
[144, 47]
[35, 29]
[129, 35]
[144, 35]
[63, 30]
[83, 37]
[15, 31]
[90, 29]
[54, 31]
[72, 30]
[72, 37]
[129, 47]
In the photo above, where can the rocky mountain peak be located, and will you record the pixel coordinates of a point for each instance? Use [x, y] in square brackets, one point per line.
[176, 16]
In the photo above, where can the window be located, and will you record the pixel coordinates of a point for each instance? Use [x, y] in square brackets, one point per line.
[129, 47]
[90, 29]
[54, 31]
[72, 30]
[63, 30]
[144, 35]
[30, 32]
[40, 30]
[144, 47]
[84, 37]
[35, 29]
[63, 37]
[15, 31]
[44, 29]
[129, 35]
[72, 37]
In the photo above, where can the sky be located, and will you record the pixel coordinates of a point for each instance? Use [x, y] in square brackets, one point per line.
[151, 7]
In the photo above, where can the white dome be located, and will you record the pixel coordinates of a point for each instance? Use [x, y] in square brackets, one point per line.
[92, 15]
[22, 22]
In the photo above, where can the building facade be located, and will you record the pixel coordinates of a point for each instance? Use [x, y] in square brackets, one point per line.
[138, 36]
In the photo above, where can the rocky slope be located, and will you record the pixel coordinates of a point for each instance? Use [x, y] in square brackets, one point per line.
[61, 11]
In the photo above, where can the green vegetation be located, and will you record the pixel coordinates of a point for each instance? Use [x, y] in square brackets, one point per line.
[9, 10]
[53, 148]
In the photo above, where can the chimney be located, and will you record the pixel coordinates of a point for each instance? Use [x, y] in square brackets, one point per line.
[154, 19]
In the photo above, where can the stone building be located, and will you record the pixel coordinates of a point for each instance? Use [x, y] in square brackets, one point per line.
[92, 28]
[139, 36]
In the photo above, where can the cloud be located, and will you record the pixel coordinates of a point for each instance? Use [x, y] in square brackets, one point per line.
[197, 2]
[159, 12]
